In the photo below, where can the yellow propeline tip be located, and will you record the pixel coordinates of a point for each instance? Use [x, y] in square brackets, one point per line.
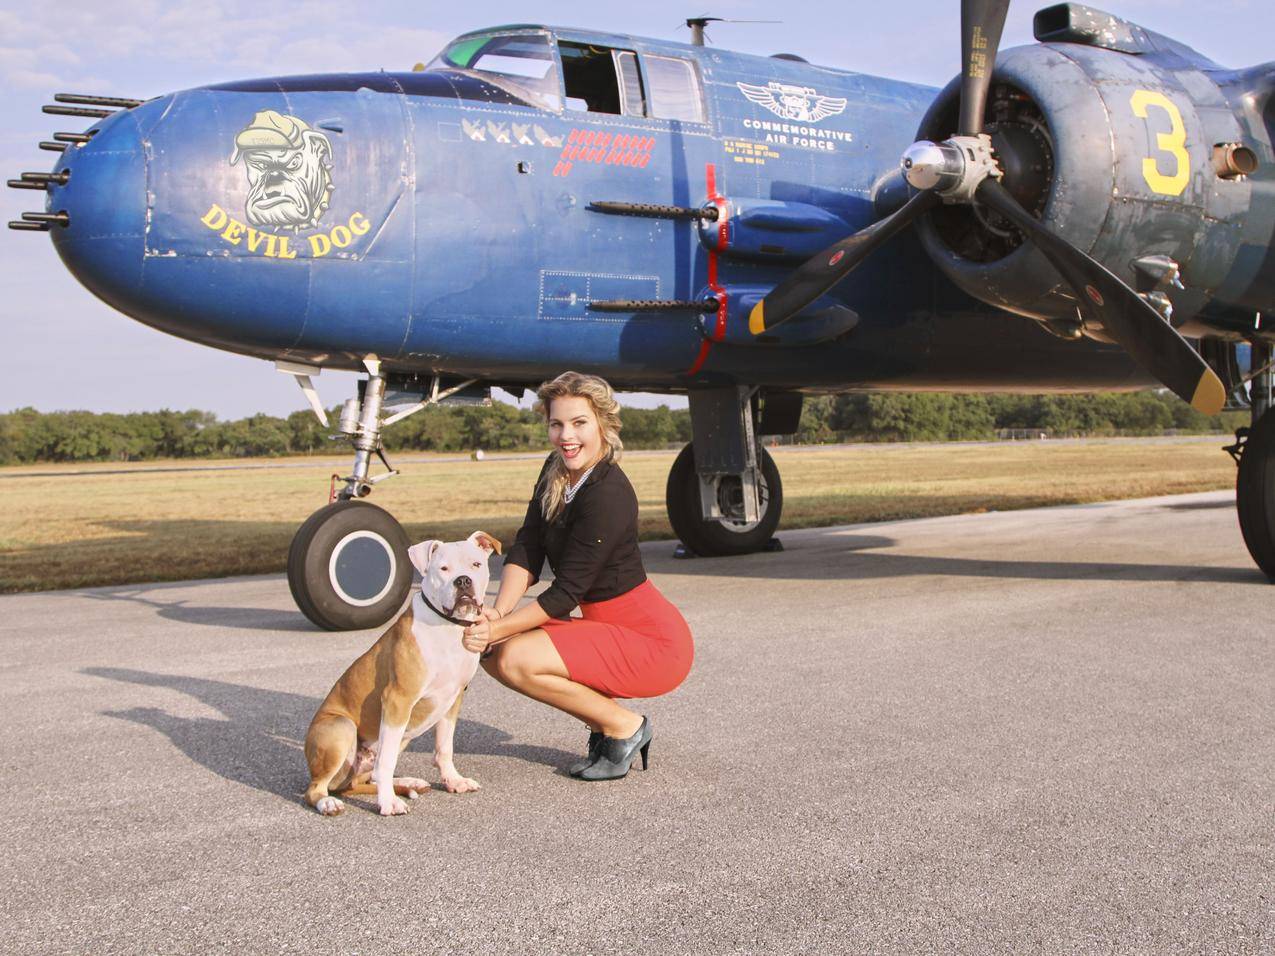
[1210, 395]
[757, 319]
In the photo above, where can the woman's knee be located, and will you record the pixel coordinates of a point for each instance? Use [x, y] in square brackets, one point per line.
[518, 660]
[507, 663]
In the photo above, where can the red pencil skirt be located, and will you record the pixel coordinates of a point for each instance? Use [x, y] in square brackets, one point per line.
[635, 645]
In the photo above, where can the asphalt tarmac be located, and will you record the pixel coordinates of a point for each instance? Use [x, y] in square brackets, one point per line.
[1034, 731]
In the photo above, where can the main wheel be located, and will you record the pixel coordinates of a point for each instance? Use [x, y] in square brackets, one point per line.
[722, 536]
[1255, 493]
[348, 566]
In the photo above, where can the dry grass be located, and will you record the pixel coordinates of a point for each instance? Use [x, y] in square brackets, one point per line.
[62, 528]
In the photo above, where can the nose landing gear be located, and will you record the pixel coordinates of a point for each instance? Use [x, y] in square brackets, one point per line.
[347, 566]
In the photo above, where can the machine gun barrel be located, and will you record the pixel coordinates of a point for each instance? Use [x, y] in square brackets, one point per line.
[75, 111]
[48, 218]
[42, 178]
[122, 102]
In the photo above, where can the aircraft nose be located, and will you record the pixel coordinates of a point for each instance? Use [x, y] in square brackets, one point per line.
[103, 199]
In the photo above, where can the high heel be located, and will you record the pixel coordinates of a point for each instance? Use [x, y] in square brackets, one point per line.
[616, 756]
[595, 747]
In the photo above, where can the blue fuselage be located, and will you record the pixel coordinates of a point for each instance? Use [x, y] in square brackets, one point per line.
[440, 221]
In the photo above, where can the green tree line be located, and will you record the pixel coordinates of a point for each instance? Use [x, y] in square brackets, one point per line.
[28, 435]
[933, 416]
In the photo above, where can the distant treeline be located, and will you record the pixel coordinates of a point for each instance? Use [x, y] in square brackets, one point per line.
[27, 435]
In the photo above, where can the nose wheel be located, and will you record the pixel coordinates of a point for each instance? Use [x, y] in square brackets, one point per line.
[348, 567]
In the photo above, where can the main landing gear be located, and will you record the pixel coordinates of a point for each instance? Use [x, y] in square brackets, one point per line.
[1254, 452]
[724, 495]
[348, 566]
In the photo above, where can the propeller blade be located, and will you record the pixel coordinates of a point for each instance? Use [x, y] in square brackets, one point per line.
[825, 269]
[1149, 340]
[981, 25]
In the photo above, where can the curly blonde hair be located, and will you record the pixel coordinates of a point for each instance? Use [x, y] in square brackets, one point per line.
[607, 411]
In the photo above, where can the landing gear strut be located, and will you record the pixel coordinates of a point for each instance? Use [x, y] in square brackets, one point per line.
[724, 495]
[348, 566]
[1254, 450]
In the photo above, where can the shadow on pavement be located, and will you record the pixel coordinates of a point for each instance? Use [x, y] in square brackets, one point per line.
[1200, 505]
[259, 743]
[182, 611]
[833, 556]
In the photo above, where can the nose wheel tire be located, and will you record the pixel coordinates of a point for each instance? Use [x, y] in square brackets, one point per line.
[714, 537]
[348, 567]
[1255, 493]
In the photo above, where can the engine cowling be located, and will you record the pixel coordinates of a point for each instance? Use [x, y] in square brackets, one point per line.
[1116, 152]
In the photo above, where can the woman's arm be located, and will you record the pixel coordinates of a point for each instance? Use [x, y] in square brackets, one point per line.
[487, 631]
[529, 616]
[514, 582]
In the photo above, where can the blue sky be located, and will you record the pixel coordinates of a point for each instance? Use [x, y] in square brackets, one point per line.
[64, 349]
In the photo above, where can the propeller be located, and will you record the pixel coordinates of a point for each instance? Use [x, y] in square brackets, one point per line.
[1152, 342]
[963, 169]
[981, 25]
[825, 269]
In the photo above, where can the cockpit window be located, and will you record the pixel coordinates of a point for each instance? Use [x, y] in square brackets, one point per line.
[592, 79]
[675, 89]
[522, 63]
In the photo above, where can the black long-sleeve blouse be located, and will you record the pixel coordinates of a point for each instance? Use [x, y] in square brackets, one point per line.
[592, 546]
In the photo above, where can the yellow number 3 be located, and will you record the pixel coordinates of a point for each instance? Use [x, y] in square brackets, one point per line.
[1173, 142]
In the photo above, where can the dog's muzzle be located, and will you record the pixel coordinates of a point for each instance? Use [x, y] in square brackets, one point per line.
[466, 602]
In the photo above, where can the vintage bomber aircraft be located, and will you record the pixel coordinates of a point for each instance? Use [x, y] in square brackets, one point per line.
[685, 219]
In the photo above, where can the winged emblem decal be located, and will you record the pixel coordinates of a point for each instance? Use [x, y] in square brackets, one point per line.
[799, 103]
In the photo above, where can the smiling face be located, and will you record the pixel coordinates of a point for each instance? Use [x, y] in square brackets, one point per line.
[454, 574]
[574, 431]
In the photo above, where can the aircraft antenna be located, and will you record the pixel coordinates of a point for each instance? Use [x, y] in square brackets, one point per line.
[697, 25]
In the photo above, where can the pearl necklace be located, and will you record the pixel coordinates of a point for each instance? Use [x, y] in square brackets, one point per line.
[571, 489]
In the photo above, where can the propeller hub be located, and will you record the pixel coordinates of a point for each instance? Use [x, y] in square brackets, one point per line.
[952, 168]
[928, 165]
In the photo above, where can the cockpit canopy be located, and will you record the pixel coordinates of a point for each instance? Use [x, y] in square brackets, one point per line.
[521, 63]
[556, 73]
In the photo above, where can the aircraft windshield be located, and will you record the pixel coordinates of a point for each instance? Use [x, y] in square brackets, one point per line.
[521, 63]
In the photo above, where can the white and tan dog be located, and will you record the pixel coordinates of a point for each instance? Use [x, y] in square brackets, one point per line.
[413, 678]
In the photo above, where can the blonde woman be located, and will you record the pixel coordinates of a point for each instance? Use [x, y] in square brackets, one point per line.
[630, 642]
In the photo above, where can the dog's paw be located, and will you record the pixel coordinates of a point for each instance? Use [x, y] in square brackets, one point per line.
[330, 806]
[410, 787]
[459, 784]
[393, 807]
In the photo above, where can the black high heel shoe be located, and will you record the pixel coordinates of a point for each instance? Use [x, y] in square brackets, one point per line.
[595, 747]
[616, 756]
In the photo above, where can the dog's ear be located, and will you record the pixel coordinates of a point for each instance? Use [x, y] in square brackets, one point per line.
[485, 541]
[420, 555]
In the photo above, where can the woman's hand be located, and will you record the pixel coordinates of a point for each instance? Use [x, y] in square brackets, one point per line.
[478, 635]
[491, 614]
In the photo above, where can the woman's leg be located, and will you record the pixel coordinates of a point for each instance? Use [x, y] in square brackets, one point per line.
[531, 665]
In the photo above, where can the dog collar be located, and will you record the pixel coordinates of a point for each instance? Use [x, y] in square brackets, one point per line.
[446, 617]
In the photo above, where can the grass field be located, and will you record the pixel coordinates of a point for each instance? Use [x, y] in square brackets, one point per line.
[63, 528]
